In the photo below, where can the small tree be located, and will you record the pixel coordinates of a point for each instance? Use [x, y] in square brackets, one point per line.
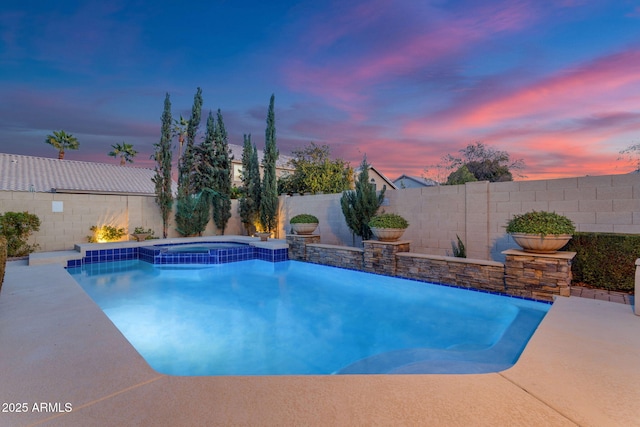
[222, 176]
[62, 141]
[191, 207]
[269, 195]
[192, 213]
[162, 178]
[249, 204]
[360, 205]
[124, 151]
[180, 130]
[461, 176]
[17, 227]
[188, 159]
[314, 171]
[484, 163]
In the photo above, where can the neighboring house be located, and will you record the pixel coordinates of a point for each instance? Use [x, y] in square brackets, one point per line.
[282, 164]
[407, 181]
[377, 178]
[49, 175]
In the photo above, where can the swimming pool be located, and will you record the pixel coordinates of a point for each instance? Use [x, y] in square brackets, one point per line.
[262, 318]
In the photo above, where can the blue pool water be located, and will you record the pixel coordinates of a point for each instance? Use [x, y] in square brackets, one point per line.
[261, 318]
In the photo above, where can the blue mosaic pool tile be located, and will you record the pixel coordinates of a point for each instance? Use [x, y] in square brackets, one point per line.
[155, 255]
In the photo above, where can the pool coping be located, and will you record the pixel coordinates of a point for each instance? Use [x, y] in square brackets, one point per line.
[581, 367]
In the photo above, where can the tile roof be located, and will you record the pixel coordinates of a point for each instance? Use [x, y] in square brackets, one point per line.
[41, 174]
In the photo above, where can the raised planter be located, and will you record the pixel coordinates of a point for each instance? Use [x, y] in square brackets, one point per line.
[387, 234]
[304, 227]
[537, 243]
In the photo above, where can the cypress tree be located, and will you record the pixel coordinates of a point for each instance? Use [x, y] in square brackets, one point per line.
[188, 160]
[190, 204]
[249, 204]
[222, 176]
[269, 195]
[162, 178]
[359, 206]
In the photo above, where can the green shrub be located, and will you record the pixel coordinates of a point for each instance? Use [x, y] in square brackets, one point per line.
[605, 261]
[388, 220]
[17, 227]
[540, 222]
[304, 219]
[106, 233]
[459, 250]
[3, 258]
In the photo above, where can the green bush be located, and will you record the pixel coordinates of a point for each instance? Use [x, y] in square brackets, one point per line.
[17, 227]
[605, 261]
[106, 233]
[304, 219]
[388, 220]
[459, 250]
[3, 258]
[540, 222]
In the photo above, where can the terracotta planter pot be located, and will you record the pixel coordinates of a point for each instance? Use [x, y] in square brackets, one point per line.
[387, 234]
[537, 243]
[304, 227]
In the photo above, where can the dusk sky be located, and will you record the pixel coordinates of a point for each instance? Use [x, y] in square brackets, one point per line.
[555, 83]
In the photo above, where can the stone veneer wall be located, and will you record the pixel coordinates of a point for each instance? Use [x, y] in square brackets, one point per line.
[380, 257]
[539, 276]
[463, 272]
[336, 256]
[298, 245]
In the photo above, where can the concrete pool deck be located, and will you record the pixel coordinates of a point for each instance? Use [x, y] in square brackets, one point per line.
[582, 367]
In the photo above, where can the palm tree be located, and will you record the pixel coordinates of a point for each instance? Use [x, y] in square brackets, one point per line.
[125, 151]
[180, 130]
[62, 141]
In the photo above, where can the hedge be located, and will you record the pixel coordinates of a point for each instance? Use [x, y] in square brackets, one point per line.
[605, 260]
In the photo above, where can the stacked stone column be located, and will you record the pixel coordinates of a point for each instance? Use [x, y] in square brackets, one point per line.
[380, 257]
[298, 245]
[539, 276]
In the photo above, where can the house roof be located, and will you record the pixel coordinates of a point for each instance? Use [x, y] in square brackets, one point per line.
[380, 174]
[42, 174]
[282, 162]
[422, 181]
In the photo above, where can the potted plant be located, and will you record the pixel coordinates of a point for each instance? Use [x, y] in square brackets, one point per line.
[388, 227]
[141, 234]
[304, 224]
[540, 231]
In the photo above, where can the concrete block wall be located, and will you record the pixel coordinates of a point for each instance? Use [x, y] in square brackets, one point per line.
[62, 230]
[609, 203]
[478, 212]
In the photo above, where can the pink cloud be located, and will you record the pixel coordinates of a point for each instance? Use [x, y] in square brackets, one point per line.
[349, 79]
[603, 83]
